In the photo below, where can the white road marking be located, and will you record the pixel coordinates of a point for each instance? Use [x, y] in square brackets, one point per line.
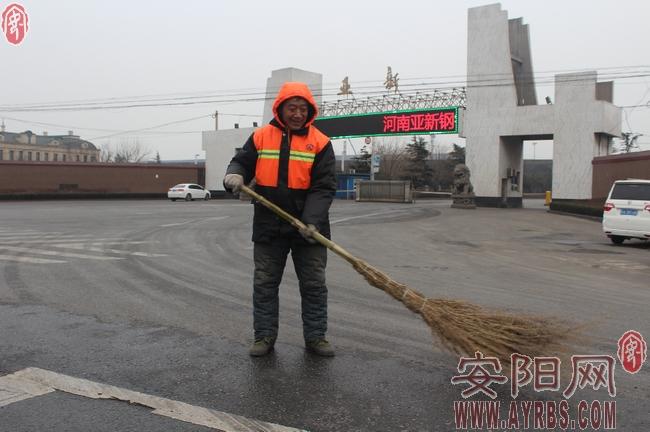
[192, 221]
[101, 242]
[31, 260]
[32, 382]
[79, 242]
[366, 215]
[604, 264]
[27, 232]
[13, 389]
[57, 240]
[81, 246]
[20, 236]
[175, 224]
[624, 265]
[96, 242]
[56, 253]
[246, 204]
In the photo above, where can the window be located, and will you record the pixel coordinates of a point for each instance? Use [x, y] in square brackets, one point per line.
[56, 157]
[85, 158]
[29, 155]
[1, 155]
[38, 156]
[11, 155]
[77, 158]
[63, 158]
[20, 155]
[47, 156]
[631, 191]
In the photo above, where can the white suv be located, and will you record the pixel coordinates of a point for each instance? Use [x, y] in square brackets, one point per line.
[626, 213]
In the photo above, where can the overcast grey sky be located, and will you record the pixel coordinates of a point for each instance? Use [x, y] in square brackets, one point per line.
[91, 50]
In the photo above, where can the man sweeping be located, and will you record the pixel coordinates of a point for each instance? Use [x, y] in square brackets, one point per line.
[293, 165]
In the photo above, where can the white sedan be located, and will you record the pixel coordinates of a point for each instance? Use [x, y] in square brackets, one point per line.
[188, 192]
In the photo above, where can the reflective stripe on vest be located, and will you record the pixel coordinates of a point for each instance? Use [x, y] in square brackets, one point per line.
[268, 154]
[301, 156]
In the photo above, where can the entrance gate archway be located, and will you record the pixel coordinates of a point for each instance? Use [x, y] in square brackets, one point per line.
[502, 112]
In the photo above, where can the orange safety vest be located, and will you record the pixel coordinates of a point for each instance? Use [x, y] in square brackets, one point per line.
[304, 149]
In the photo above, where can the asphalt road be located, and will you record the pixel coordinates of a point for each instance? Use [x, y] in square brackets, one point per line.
[155, 297]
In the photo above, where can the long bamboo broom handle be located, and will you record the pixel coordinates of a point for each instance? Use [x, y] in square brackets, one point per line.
[297, 223]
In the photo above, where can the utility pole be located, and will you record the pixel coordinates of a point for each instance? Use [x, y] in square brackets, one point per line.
[216, 120]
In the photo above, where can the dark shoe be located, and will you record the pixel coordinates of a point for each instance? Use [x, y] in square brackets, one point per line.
[262, 346]
[320, 347]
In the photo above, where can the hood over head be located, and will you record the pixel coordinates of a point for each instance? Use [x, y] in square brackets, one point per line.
[295, 89]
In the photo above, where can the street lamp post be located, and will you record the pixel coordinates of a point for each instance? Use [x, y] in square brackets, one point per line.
[370, 142]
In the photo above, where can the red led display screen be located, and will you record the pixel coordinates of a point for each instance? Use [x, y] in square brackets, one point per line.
[414, 122]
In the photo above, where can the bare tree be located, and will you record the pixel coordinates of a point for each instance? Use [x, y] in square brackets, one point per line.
[394, 159]
[131, 150]
[628, 143]
[128, 150]
[106, 152]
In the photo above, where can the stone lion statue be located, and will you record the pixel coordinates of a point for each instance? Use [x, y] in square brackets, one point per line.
[463, 191]
[462, 185]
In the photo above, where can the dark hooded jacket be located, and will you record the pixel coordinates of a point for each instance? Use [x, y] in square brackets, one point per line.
[305, 165]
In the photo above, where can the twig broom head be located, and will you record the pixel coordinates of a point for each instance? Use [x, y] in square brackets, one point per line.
[465, 328]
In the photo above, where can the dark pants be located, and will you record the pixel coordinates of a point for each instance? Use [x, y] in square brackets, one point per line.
[309, 262]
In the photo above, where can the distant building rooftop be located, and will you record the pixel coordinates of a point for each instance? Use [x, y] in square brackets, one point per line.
[28, 137]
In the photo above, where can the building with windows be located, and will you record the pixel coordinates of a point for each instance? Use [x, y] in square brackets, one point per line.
[27, 146]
